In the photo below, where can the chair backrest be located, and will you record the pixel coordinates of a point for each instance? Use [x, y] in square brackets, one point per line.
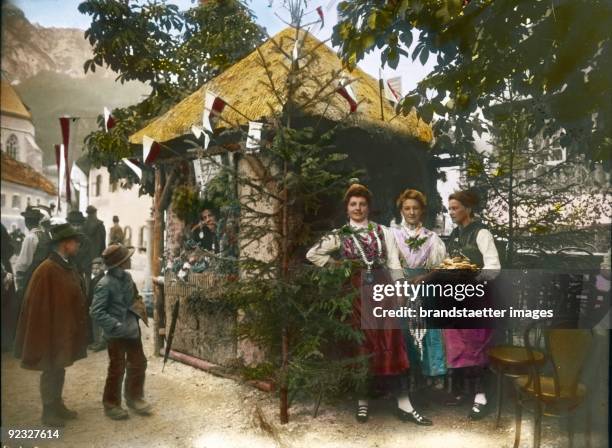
[566, 350]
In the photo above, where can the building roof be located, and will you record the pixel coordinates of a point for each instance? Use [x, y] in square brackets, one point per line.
[245, 86]
[23, 174]
[11, 104]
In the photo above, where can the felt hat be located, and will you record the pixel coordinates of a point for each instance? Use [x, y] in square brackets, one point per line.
[65, 231]
[115, 254]
[75, 217]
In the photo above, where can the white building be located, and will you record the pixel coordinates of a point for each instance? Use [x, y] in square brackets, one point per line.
[133, 212]
[23, 182]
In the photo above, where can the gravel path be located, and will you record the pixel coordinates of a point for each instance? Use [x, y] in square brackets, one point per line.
[196, 409]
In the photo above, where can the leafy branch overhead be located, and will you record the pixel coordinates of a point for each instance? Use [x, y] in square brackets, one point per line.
[554, 54]
[172, 51]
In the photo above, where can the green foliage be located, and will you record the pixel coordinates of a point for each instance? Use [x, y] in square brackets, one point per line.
[315, 306]
[174, 52]
[554, 55]
[185, 202]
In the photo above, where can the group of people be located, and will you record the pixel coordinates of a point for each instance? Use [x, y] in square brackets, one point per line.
[69, 284]
[408, 250]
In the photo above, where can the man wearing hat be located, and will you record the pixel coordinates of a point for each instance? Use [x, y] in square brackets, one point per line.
[117, 308]
[52, 330]
[32, 218]
[84, 258]
[95, 231]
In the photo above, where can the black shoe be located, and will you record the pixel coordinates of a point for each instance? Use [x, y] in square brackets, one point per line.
[413, 417]
[362, 413]
[478, 411]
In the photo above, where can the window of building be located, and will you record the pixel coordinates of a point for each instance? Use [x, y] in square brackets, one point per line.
[3, 200]
[142, 241]
[37, 201]
[28, 201]
[12, 146]
[127, 231]
[98, 185]
[16, 202]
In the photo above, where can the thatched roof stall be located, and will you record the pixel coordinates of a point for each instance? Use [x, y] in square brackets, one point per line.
[392, 150]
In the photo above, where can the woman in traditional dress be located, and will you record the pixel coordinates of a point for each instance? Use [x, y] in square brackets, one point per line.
[421, 249]
[373, 247]
[466, 348]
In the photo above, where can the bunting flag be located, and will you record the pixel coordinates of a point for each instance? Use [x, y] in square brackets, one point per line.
[150, 150]
[253, 141]
[58, 158]
[62, 177]
[345, 89]
[321, 16]
[297, 48]
[109, 120]
[133, 165]
[68, 133]
[393, 89]
[213, 105]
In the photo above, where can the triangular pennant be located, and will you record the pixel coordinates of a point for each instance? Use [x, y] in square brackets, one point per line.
[213, 105]
[132, 164]
[321, 16]
[150, 150]
[109, 120]
[347, 93]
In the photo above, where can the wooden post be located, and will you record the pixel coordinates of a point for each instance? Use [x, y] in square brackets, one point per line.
[155, 253]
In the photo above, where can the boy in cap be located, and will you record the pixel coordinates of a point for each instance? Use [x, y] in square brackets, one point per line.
[117, 308]
[52, 330]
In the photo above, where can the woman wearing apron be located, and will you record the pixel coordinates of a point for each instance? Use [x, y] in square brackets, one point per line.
[421, 249]
[466, 348]
[373, 247]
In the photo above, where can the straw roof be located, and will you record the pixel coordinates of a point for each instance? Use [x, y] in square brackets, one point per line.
[246, 87]
[10, 102]
[22, 174]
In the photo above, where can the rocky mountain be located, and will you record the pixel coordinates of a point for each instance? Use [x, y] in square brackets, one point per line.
[28, 49]
[45, 65]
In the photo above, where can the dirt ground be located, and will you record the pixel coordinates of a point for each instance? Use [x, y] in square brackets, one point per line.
[196, 409]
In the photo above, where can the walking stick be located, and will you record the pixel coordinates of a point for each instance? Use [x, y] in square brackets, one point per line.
[175, 311]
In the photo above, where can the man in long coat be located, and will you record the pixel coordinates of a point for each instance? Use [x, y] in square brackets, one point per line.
[52, 329]
[95, 231]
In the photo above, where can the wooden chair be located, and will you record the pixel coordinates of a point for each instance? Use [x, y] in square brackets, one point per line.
[510, 361]
[558, 394]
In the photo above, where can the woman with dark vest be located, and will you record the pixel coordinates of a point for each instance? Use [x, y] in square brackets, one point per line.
[372, 246]
[466, 348]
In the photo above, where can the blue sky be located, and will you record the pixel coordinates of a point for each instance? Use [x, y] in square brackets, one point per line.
[64, 14]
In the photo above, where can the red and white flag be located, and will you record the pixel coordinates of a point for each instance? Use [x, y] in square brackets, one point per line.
[133, 165]
[58, 163]
[393, 89]
[345, 89]
[321, 16]
[213, 105]
[68, 125]
[109, 120]
[150, 150]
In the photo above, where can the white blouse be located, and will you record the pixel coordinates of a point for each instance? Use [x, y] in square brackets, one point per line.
[320, 253]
